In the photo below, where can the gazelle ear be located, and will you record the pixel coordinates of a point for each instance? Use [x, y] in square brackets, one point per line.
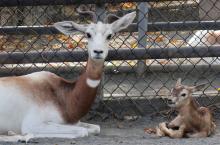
[68, 27]
[123, 22]
[178, 82]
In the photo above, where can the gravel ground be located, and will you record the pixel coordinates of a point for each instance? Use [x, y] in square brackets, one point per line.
[115, 132]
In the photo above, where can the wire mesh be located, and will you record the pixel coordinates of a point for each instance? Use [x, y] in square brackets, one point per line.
[125, 89]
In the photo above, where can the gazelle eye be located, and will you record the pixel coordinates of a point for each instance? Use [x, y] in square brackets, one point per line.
[183, 95]
[109, 36]
[88, 35]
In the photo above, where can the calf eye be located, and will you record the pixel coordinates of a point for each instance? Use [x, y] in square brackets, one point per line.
[109, 36]
[183, 95]
[88, 35]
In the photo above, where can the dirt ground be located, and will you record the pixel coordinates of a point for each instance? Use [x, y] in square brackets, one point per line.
[114, 132]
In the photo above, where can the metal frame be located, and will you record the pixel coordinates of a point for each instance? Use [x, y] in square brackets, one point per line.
[152, 27]
[120, 54]
[79, 55]
[10, 3]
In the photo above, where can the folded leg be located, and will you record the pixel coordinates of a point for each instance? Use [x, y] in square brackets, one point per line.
[15, 138]
[175, 122]
[197, 134]
[170, 132]
[92, 128]
[53, 130]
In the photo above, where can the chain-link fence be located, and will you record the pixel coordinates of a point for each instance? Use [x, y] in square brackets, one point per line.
[168, 40]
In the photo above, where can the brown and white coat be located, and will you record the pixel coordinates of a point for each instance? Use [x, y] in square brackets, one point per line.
[43, 104]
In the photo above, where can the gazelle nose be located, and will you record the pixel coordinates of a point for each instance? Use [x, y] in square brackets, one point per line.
[98, 51]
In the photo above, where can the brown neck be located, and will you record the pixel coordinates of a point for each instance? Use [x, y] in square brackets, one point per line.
[82, 96]
[94, 69]
[189, 108]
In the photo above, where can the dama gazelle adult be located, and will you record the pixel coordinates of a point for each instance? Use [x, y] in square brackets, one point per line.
[43, 104]
[191, 121]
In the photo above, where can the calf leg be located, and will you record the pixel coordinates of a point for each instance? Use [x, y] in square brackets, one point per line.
[197, 134]
[175, 122]
[170, 132]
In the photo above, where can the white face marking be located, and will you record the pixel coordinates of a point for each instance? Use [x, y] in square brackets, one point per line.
[92, 83]
[98, 36]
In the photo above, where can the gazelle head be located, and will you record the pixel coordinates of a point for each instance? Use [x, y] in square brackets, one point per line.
[98, 34]
[181, 94]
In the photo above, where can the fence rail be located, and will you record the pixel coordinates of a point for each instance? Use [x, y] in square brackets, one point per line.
[121, 54]
[10, 3]
[152, 27]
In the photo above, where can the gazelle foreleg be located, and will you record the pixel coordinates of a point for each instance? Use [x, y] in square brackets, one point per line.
[92, 128]
[50, 129]
[15, 138]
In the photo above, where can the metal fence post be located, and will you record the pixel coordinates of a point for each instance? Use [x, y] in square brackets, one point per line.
[142, 37]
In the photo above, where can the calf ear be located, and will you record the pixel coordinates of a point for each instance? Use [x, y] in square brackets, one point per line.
[198, 87]
[123, 22]
[178, 82]
[68, 27]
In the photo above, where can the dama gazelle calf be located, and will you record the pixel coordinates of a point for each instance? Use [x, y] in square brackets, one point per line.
[43, 104]
[191, 121]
